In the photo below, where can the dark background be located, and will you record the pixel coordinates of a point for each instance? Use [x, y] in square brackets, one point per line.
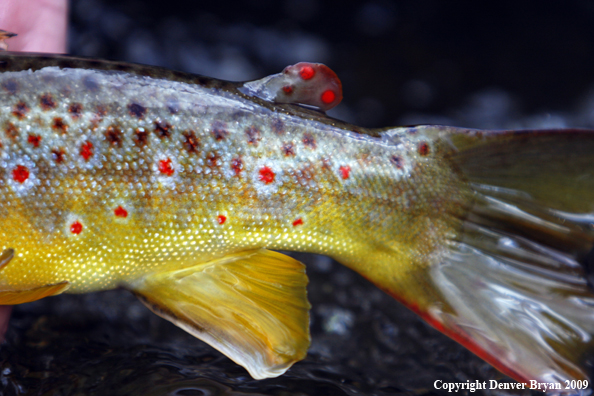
[503, 64]
[397, 59]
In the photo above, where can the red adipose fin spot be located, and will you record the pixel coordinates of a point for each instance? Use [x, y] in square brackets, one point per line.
[120, 212]
[266, 175]
[20, 174]
[297, 222]
[165, 167]
[307, 71]
[424, 148]
[76, 227]
[345, 171]
[221, 219]
[312, 84]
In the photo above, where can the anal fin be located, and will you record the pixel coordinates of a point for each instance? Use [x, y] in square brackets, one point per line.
[252, 306]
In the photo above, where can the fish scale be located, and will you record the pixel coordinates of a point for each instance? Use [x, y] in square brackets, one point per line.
[178, 187]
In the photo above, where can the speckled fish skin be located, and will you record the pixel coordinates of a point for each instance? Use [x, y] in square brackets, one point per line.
[174, 185]
[175, 156]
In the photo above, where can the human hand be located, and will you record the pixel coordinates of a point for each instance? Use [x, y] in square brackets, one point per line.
[40, 24]
[41, 27]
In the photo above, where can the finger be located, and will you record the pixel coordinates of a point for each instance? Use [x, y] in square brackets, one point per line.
[40, 24]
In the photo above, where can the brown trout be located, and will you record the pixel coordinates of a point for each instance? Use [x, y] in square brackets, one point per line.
[178, 187]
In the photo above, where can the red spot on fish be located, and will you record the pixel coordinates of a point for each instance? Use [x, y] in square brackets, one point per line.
[288, 149]
[221, 219]
[165, 167]
[162, 129]
[345, 171]
[20, 109]
[192, 143]
[20, 174]
[309, 140]
[307, 72]
[76, 227]
[140, 137]
[328, 96]
[11, 131]
[120, 212]
[86, 150]
[58, 155]
[237, 165]
[59, 125]
[266, 175]
[288, 89]
[34, 140]
[253, 135]
[297, 222]
[75, 110]
[47, 101]
[423, 148]
[136, 110]
[113, 134]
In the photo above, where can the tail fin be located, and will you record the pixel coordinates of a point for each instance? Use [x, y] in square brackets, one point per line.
[512, 284]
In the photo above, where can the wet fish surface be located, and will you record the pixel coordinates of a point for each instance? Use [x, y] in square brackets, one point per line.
[175, 186]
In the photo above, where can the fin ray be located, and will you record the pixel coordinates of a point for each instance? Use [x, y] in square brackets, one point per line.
[251, 306]
[510, 283]
[13, 297]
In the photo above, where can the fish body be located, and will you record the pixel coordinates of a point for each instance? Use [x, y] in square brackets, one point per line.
[174, 186]
[120, 174]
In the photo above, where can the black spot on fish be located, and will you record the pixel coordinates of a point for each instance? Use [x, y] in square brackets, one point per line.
[173, 106]
[288, 149]
[59, 125]
[11, 86]
[91, 84]
[136, 110]
[309, 140]
[75, 110]
[397, 161]
[20, 109]
[11, 131]
[253, 134]
[140, 137]
[278, 126]
[58, 155]
[163, 129]
[219, 130]
[47, 102]
[113, 134]
[192, 143]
